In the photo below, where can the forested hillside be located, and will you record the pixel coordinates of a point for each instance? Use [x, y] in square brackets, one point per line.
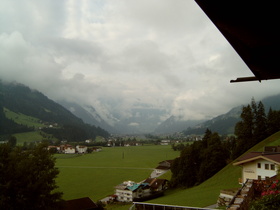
[202, 159]
[21, 99]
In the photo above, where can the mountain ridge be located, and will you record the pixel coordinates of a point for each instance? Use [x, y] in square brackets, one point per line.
[142, 119]
[19, 98]
[225, 123]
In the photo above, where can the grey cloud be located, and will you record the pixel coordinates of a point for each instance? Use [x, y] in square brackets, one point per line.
[113, 54]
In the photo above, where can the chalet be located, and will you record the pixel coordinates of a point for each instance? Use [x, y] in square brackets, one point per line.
[259, 165]
[81, 149]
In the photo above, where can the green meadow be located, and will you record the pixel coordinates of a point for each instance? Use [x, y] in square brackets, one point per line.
[95, 175]
[20, 118]
[28, 137]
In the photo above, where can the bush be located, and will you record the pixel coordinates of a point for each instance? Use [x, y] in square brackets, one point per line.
[270, 198]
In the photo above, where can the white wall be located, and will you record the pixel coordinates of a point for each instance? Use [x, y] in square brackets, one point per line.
[124, 195]
[251, 171]
[263, 172]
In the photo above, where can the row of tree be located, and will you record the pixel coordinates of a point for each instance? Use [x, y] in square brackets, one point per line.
[255, 126]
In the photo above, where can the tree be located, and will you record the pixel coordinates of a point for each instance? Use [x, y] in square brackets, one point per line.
[273, 118]
[28, 178]
[244, 131]
[199, 161]
[260, 127]
[214, 158]
[12, 141]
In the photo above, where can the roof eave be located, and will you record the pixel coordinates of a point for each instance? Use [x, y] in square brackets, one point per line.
[255, 158]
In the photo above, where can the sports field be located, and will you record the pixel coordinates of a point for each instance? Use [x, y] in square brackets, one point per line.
[95, 175]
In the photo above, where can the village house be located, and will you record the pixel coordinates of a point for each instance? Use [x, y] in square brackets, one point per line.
[88, 141]
[56, 148]
[67, 149]
[130, 191]
[81, 149]
[259, 165]
[163, 167]
[257, 169]
[165, 142]
[96, 149]
[156, 185]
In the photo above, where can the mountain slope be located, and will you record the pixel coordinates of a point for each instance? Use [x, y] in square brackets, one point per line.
[225, 123]
[87, 113]
[174, 124]
[18, 98]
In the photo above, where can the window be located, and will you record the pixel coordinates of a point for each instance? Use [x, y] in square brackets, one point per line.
[272, 167]
[266, 166]
[259, 165]
[259, 177]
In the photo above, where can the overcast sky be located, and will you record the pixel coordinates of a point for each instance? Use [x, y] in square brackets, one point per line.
[118, 54]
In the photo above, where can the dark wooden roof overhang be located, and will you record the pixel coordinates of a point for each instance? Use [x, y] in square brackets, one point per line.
[252, 28]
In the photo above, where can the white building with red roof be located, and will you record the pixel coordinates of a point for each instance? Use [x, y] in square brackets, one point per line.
[259, 165]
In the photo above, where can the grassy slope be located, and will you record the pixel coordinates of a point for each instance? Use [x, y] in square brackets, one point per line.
[204, 194]
[207, 193]
[29, 121]
[96, 174]
[20, 118]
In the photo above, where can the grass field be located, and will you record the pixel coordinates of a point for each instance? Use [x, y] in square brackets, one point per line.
[95, 175]
[28, 137]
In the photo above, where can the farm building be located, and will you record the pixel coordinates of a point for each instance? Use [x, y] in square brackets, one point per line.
[259, 165]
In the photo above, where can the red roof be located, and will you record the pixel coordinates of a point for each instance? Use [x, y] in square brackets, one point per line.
[273, 157]
[80, 204]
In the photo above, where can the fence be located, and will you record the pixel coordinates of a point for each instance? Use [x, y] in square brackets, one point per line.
[151, 206]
